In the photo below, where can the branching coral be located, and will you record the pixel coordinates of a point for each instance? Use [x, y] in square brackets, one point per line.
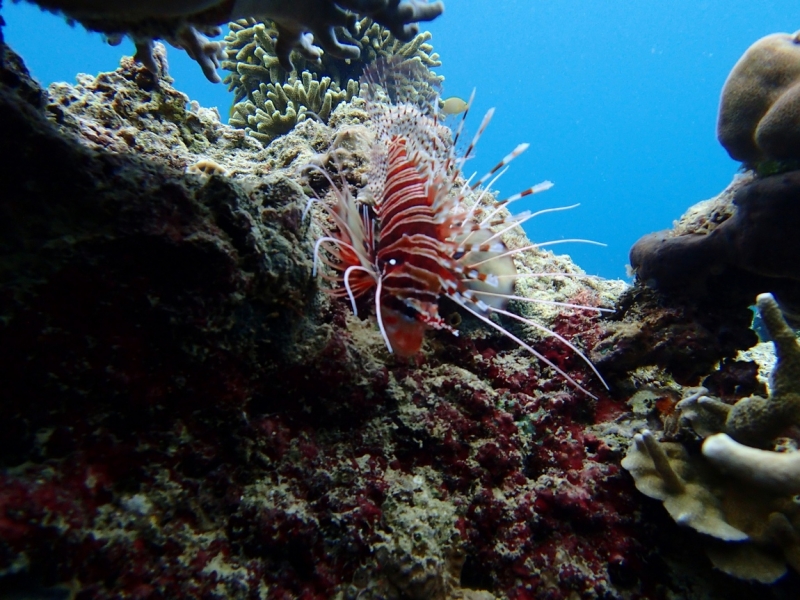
[735, 493]
[257, 75]
[666, 472]
[252, 57]
[757, 420]
[775, 471]
[183, 23]
[275, 109]
[754, 531]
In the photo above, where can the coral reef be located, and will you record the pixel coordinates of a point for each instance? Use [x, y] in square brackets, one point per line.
[753, 533]
[252, 58]
[185, 414]
[759, 112]
[270, 100]
[726, 251]
[757, 420]
[682, 339]
[772, 471]
[733, 493]
[276, 109]
[185, 23]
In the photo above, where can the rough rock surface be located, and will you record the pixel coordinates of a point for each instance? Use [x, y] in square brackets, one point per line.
[185, 414]
[726, 251]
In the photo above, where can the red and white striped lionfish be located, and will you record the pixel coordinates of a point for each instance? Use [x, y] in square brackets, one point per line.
[415, 235]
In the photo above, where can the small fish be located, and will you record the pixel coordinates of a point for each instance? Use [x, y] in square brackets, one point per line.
[453, 106]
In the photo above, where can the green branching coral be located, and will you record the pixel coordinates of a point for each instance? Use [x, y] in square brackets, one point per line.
[276, 109]
[252, 59]
[270, 100]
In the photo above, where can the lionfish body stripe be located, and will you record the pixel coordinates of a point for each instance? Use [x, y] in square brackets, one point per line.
[419, 237]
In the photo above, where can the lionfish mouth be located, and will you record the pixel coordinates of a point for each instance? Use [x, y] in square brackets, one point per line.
[428, 234]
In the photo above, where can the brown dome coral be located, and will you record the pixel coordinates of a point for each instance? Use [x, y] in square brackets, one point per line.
[759, 113]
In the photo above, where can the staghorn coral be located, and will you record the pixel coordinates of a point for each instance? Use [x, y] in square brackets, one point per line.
[184, 23]
[252, 59]
[759, 112]
[276, 109]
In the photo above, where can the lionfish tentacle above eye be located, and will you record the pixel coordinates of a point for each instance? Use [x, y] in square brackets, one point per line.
[427, 233]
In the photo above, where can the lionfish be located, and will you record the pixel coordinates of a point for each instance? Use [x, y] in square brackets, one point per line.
[415, 235]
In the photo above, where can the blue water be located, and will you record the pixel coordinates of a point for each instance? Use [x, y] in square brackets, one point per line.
[618, 99]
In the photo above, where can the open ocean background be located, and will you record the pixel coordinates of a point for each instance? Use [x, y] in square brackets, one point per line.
[618, 99]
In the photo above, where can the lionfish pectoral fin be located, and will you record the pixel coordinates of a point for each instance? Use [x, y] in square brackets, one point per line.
[404, 333]
[495, 271]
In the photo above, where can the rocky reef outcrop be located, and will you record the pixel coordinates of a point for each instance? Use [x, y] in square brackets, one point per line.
[187, 414]
[725, 251]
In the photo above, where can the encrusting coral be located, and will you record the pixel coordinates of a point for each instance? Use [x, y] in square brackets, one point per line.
[759, 113]
[735, 493]
[185, 24]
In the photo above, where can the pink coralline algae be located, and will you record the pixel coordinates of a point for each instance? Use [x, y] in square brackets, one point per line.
[186, 415]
